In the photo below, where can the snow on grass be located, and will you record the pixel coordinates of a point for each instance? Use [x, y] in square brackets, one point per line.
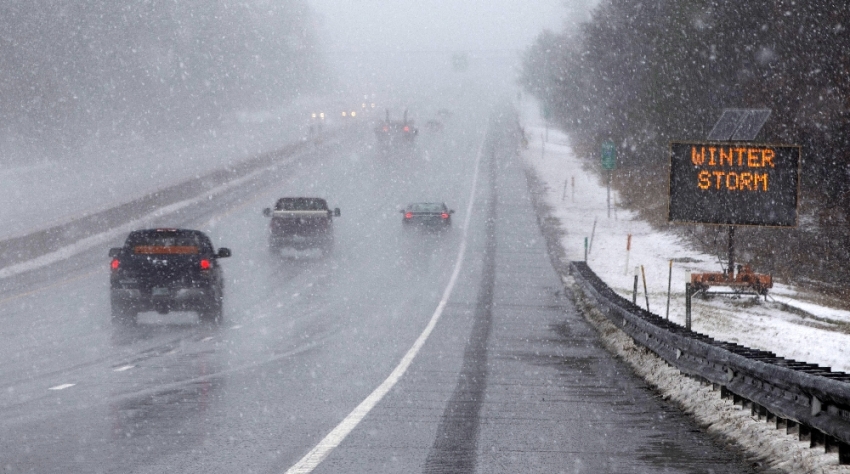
[769, 449]
[789, 324]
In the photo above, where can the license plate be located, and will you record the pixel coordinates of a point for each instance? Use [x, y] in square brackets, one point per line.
[161, 292]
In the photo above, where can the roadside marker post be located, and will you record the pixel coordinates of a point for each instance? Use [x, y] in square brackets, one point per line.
[573, 181]
[592, 234]
[635, 291]
[669, 283]
[645, 293]
[628, 249]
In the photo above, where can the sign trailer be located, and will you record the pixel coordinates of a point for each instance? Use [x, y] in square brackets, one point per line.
[728, 180]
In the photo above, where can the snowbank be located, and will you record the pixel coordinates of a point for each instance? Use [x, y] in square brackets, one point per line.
[791, 324]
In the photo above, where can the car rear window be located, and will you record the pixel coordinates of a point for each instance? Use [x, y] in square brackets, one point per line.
[167, 242]
[426, 207]
[165, 249]
[301, 204]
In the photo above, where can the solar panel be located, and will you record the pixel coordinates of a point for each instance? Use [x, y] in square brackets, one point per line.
[751, 124]
[726, 125]
[739, 125]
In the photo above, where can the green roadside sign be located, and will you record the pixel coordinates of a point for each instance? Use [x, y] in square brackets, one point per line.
[609, 155]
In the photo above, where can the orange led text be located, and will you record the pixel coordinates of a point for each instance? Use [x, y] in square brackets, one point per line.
[733, 168]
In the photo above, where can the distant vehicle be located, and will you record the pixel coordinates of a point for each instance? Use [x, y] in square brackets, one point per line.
[434, 125]
[301, 223]
[390, 132]
[427, 215]
[166, 270]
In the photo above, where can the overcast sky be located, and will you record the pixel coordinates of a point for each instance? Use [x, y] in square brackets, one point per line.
[440, 25]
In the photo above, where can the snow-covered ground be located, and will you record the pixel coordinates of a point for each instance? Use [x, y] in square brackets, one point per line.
[51, 190]
[791, 323]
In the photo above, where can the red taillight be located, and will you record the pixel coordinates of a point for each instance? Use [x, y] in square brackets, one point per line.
[386, 129]
[406, 128]
[408, 215]
[205, 264]
[444, 215]
[115, 264]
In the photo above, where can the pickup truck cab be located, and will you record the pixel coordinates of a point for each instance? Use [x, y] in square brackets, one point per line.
[301, 223]
[166, 270]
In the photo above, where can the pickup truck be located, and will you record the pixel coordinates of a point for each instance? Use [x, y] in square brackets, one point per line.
[301, 223]
[166, 270]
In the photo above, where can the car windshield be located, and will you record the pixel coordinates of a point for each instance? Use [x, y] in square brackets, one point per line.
[301, 204]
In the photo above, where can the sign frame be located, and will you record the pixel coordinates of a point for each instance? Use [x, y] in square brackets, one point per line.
[679, 219]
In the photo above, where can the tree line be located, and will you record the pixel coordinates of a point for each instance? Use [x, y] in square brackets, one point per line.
[74, 68]
[645, 73]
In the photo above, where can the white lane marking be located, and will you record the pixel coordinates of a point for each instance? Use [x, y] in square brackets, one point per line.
[318, 454]
[123, 368]
[62, 387]
[238, 326]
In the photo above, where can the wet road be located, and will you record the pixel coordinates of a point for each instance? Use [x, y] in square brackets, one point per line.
[511, 378]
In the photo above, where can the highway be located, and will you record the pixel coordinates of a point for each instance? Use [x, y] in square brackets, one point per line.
[507, 376]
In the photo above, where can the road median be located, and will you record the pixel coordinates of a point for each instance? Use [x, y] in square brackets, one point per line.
[35, 245]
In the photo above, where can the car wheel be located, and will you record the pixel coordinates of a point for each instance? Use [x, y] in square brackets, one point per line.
[122, 311]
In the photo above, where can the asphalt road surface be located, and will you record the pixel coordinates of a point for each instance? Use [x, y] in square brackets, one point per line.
[510, 379]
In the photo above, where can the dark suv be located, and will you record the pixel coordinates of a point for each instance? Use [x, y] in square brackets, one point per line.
[166, 270]
[301, 223]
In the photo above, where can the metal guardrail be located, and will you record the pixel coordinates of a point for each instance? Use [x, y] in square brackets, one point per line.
[805, 399]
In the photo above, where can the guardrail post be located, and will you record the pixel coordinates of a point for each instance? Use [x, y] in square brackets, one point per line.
[830, 444]
[759, 411]
[843, 453]
[792, 427]
[805, 433]
[817, 439]
[687, 305]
